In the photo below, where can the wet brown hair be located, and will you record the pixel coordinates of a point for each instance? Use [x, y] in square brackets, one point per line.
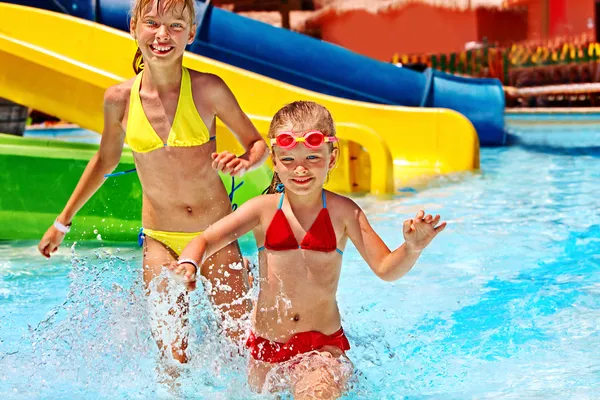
[300, 116]
[137, 11]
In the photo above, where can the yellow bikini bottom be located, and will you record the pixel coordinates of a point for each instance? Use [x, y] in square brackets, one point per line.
[176, 241]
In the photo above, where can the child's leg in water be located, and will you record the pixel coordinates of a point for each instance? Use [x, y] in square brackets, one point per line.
[324, 375]
[227, 273]
[315, 375]
[168, 316]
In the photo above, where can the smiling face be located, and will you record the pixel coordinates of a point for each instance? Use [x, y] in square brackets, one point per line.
[303, 170]
[163, 29]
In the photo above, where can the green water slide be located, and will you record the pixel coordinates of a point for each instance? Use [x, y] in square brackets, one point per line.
[38, 177]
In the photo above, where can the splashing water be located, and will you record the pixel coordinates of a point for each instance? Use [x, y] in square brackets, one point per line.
[100, 340]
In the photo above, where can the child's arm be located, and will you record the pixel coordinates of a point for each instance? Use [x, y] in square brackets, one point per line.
[391, 265]
[103, 162]
[217, 236]
[227, 109]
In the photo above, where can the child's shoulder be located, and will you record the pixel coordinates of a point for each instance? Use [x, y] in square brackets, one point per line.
[210, 88]
[119, 93]
[205, 79]
[270, 198]
[341, 204]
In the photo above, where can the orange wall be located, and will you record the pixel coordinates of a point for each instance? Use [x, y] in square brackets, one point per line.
[415, 28]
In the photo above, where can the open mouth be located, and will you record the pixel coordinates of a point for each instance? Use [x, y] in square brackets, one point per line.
[162, 50]
[302, 181]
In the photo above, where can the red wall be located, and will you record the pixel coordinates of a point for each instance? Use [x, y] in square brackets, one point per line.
[501, 26]
[534, 20]
[566, 18]
[577, 14]
[420, 28]
[557, 16]
[415, 28]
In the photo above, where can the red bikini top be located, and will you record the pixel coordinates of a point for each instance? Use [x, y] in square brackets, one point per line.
[320, 236]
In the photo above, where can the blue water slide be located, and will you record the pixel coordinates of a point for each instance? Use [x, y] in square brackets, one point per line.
[316, 65]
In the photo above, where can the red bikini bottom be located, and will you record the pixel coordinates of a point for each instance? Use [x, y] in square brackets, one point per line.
[265, 350]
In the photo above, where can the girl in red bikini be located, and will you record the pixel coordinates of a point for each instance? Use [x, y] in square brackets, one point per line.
[301, 233]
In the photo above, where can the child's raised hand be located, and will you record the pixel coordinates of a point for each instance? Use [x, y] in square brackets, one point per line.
[420, 231]
[229, 163]
[184, 273]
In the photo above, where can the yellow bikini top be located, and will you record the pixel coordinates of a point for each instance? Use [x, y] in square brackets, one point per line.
[188, 128]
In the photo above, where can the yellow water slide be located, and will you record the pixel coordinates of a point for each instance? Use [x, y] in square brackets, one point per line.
[62, 65]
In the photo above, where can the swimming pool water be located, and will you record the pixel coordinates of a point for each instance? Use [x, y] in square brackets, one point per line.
[504, 304]
[69, 134]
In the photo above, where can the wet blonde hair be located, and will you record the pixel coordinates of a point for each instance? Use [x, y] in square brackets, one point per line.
[137, 11]
[300, 116]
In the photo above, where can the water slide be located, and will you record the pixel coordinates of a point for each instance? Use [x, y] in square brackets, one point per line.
[318, 66]
[62, 65]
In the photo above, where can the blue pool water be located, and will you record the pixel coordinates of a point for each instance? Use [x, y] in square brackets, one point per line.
[504, 304]
[67, 134]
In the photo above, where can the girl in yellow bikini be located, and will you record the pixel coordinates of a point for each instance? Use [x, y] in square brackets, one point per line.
[166, 114]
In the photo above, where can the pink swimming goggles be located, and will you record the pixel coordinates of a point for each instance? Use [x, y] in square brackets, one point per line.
[311, 139]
